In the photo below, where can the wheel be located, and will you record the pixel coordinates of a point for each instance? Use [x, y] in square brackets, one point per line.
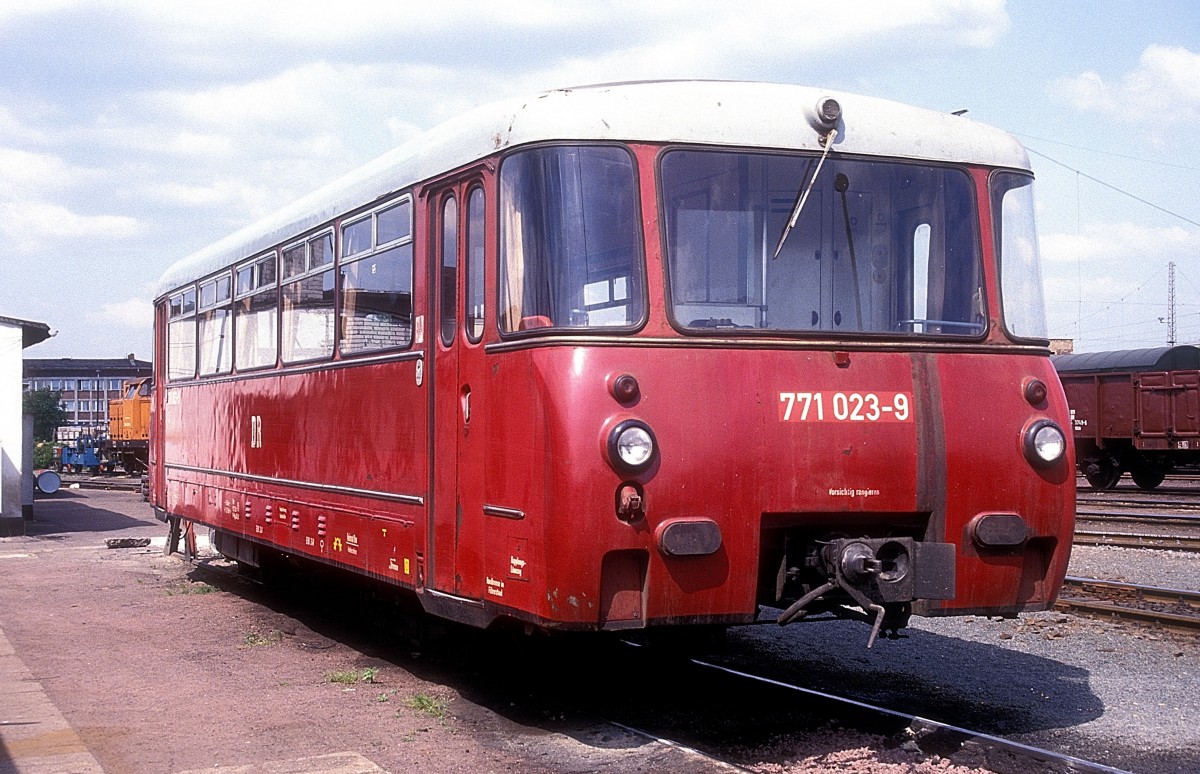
[1146, 477]
[1102, 474]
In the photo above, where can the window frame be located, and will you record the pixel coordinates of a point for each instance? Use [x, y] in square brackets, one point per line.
[376, 248]
[638, 286]
[309, 272]
[177, 314]
[966, 175]
[474, 326]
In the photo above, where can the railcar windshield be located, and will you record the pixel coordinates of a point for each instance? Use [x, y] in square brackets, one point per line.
[570, 247]
[879, 248]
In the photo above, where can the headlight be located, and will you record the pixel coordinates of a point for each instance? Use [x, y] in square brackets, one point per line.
[631, 446]
[1045, 443]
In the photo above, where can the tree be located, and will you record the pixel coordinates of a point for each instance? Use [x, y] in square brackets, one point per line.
[46, 408]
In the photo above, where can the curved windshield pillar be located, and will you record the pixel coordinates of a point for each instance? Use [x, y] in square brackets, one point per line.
[880, 248]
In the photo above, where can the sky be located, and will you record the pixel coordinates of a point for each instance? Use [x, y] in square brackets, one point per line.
[135, 132]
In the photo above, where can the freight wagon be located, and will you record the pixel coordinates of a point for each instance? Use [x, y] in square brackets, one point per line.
[1133, 411]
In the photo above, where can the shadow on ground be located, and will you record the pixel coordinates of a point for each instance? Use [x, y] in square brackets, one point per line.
[67, 512]
[567, 684]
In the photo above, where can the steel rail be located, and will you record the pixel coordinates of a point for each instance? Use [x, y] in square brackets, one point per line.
[1174, 519]
[686, 749]
[922, 728]
[1117, 609]
[1145, 504]
[1135, 540]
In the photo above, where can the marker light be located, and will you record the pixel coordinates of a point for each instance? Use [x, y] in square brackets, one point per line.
[1045, 443]
[631, 446]
[828, 111]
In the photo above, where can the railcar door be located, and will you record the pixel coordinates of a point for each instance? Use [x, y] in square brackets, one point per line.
[456, 548]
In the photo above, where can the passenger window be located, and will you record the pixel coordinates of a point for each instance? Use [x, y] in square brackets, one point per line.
[356, 237]
[475, 258]
[394, 223]
[376, 284]
[181, 335]
[449, 274]
[256, 324]
[377, 301]
[308, 317]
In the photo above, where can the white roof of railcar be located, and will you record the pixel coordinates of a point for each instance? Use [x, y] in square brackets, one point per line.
[757, 115]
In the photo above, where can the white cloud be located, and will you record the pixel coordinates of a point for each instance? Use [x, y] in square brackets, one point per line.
[29, 225]
[26, 171]
[13, 9]
[1124, 244]
[1163, 88]
[137, 313]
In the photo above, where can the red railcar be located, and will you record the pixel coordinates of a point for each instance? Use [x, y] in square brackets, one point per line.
[637, 355]
[1134, 411]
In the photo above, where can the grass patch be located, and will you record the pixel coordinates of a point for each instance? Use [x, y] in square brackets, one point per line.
[256, 639]
[432, 706]
[185, 588]
[353, 676]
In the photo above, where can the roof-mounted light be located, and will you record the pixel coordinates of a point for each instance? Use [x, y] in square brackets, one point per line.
[826, 114]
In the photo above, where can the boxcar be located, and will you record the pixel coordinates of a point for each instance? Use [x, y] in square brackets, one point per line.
[637, 355]
[1134, 411]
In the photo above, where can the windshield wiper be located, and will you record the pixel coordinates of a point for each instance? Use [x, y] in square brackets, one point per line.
[804, 197]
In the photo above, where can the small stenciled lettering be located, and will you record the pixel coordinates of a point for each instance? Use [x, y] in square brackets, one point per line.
[495, 587]
[848, 491]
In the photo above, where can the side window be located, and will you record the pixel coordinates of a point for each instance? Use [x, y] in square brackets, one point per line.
[376, 280]
[181, 335]
[1020, 262]
[307, 317]
[306, 300]
[570, 248]
[215, 326]
[256, 315]
[449, 275]
[475, 260]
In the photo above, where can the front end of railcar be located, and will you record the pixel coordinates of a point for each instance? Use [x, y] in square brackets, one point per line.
[843, 408]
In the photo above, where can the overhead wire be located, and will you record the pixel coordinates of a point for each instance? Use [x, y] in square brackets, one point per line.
[1097, 180]
[1080, 173]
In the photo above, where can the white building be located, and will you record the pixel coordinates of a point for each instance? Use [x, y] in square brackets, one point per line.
[15, 506]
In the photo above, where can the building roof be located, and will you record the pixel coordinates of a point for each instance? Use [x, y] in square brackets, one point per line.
[32, 332]
[1184, 357]
[752, 115]
[44, 368]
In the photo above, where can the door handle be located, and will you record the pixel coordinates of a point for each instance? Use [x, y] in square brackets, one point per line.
[466, 404]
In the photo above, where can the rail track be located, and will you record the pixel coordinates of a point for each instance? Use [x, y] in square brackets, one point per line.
[113, 482]
[1178, 532]
[689, 709]
[1170, 608]
[930, 737]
